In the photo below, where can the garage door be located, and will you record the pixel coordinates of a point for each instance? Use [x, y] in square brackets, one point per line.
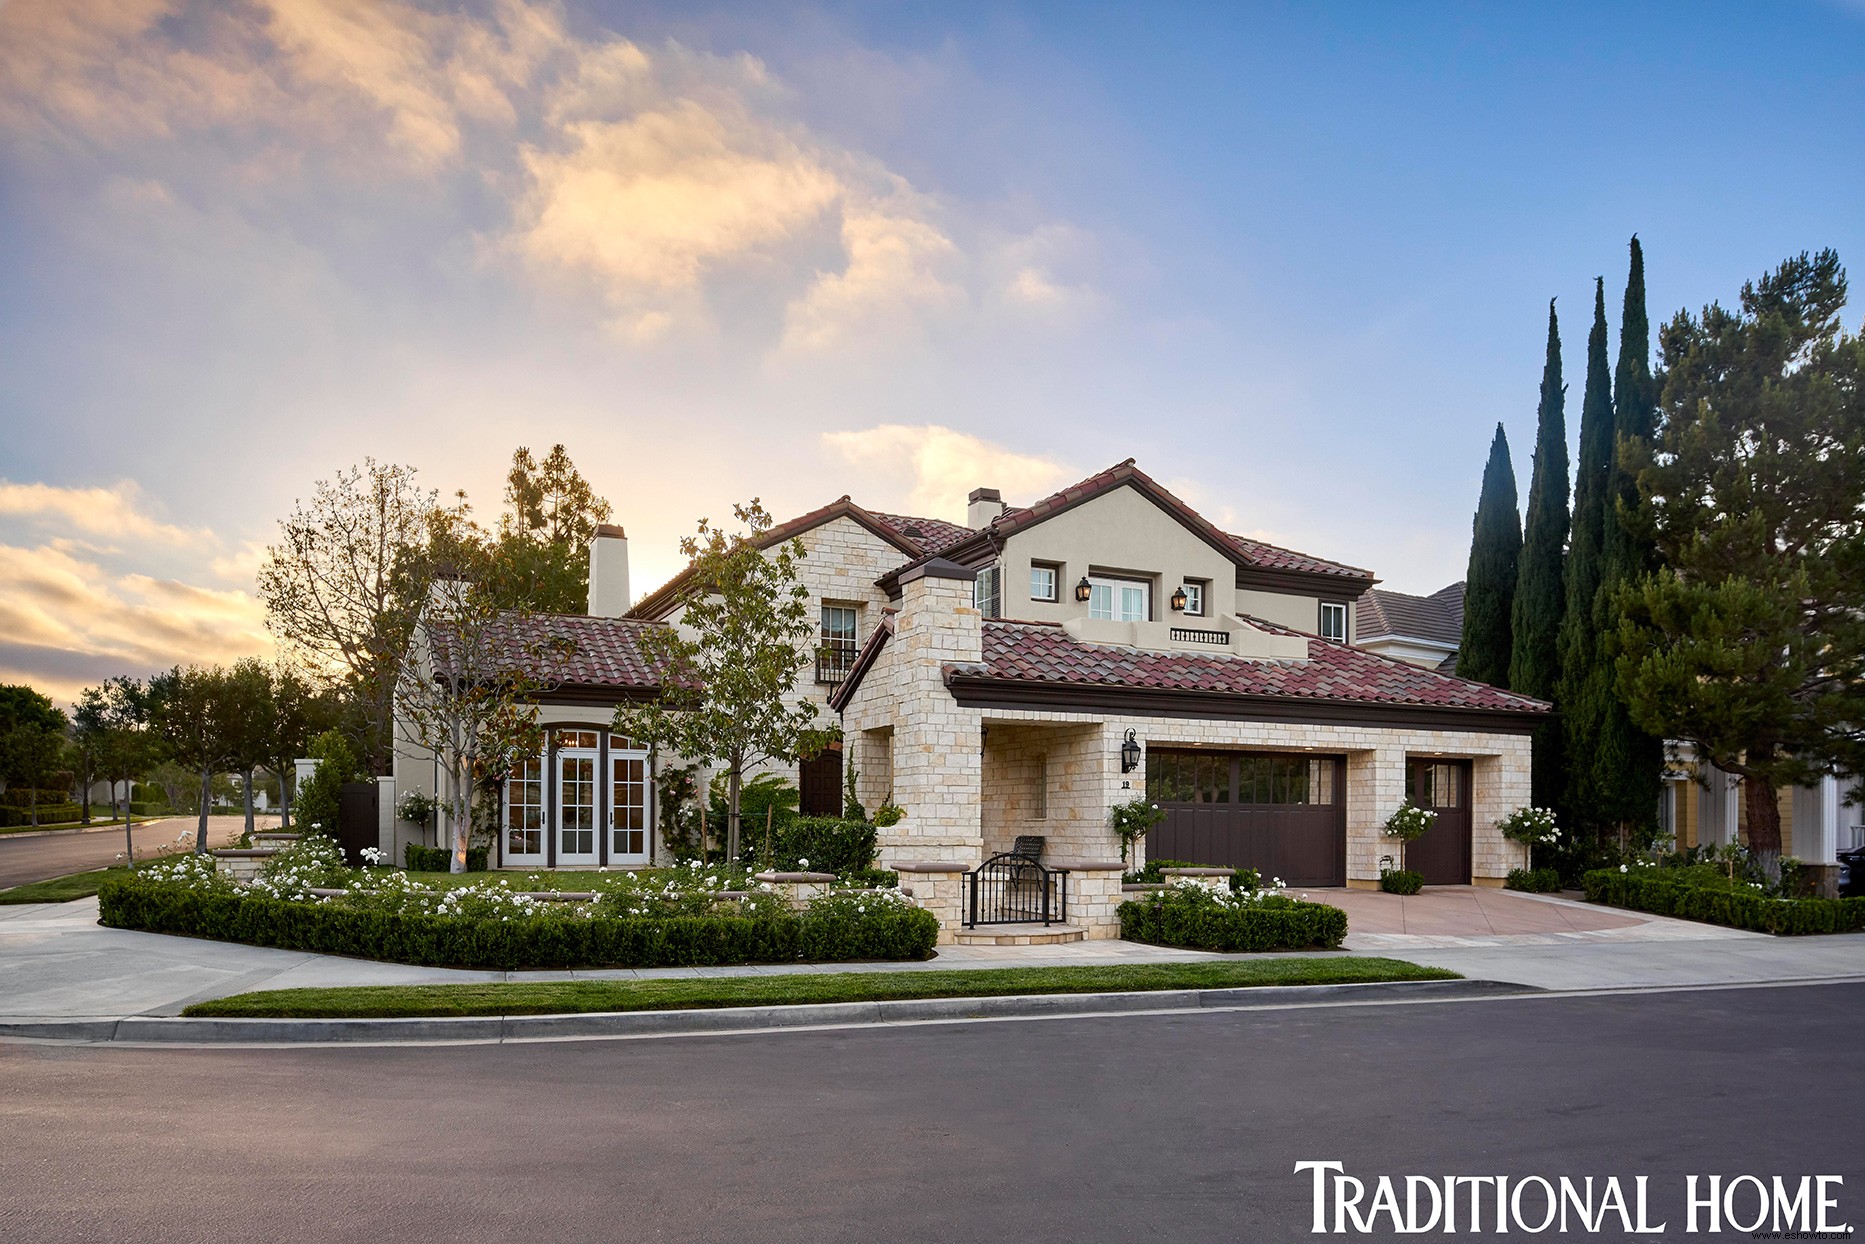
[1283, 815]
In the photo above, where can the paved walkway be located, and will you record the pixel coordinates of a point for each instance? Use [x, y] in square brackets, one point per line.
[56, 961]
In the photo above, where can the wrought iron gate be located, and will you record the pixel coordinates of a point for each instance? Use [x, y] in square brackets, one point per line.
[1010, 888]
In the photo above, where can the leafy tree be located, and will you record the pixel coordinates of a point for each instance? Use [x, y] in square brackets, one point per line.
[298, 712]
[318, 799]
[192, 711]
[541, 558]
[1585, 689]
[1489, 586]
[1627, 763]
[113, 721]
[728, 670]
[249, 716]
[1749, 639]
[345, 582]
[32, 737]
[1540, 584]
[465, 689]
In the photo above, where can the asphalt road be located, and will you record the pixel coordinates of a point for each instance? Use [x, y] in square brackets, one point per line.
[1161, 1128]
[36, 857]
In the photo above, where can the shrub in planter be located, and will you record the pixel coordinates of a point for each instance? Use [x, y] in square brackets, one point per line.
[1533, 880]
[1194, 917]
[421, 859]
[1401, 881]
[466, 932]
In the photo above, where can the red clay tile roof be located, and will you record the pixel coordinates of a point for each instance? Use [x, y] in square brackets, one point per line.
[567, 649]
[1245, 551]
[1035, 652]
[916, 538]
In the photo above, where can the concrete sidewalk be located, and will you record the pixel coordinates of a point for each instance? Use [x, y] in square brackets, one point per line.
[57, 962]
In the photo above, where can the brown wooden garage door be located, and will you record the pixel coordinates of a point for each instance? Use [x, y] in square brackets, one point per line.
[1442, 854]
[1283, 815]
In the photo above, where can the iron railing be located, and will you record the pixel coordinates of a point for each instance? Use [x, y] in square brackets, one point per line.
[1010, 888]
[833, 664]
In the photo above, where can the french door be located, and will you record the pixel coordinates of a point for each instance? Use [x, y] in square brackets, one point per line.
[577, 805]
[524, 814]
[628, 804]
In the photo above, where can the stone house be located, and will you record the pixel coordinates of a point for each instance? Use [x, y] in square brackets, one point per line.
[1026, 671]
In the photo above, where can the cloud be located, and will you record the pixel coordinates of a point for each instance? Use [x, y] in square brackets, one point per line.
[934, 468]
[117, 512]
[893, 278]
[69, 619]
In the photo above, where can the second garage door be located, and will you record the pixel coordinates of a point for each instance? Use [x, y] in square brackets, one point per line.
[1283, 815]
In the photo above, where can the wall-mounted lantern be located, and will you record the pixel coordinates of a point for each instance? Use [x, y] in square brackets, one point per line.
[1084, 590]
[1178, 600]
[1129, 753]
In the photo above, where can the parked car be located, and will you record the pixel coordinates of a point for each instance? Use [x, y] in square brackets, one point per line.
[1852, 873]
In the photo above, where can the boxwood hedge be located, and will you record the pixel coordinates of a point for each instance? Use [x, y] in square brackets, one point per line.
[1197, 923]
[1650, 889]
[555, 939]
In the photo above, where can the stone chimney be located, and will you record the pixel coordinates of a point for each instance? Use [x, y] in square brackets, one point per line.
[986, 504]
[608, 572]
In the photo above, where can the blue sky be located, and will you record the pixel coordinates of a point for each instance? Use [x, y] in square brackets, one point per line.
[1294, 259]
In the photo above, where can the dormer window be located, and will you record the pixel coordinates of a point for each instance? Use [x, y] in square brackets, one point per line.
[1120, 600]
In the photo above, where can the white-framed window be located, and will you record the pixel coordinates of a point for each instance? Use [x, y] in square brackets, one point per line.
[836, 653]
[986, 592]
[1043, 581]
[1120, 600]
[1334, 621]
[1194, 598]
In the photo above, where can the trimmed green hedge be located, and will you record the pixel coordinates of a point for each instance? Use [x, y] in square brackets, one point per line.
[1648, 889]
[829, 843]
[1533, 880]
[1401, 880]
[1216, 926]
[420, 859]
[49, 814]
[546, 941]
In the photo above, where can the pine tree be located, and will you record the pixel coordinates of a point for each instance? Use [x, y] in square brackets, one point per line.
[1489, 587]
[1628, 763]
[1582, 685]
[1534, 661]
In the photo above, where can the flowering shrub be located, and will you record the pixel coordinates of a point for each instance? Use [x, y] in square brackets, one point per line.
[189, 872]
[415, 807]
[1533, 826]
[1187, 914]
[314, 862]
[1409, 821]
[1131, 822]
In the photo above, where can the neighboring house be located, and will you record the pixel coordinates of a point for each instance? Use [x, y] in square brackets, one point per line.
[1702, 806]
[1024, 672]
[1421, 630]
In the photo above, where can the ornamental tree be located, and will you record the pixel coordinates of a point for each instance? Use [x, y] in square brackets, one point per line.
[1540, 583]
[1585, 687]
[192, 712]
[1749, 639]
[541, 558]
[729, 666]
[1489, 585]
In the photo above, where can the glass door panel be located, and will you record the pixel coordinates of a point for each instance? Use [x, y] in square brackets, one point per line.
[576, 807]
[628, 804]
[524, 814]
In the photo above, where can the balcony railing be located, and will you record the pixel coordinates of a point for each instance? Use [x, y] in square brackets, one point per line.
[833, 664]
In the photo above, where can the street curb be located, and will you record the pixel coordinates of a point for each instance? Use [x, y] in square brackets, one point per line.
[163, 1030]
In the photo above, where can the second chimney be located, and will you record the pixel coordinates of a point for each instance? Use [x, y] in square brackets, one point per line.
[986, 504]
[608, 572]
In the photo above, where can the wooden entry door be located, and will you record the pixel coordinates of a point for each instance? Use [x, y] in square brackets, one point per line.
[819, 783]
[1442, 855]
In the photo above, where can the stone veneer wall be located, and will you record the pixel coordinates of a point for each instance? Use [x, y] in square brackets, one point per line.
[1020, 760]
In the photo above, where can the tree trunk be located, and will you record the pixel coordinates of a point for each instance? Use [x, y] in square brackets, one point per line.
[284, 801]
[207, 797]
[734, 783]
[32, 797]
[459, 813]
[85, 798]
[1763, 804]
[248, 775]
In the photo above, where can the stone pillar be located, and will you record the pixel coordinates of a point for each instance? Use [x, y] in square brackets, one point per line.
[1094, 896]
[937, 766]
[242, 864]
[939, 887]
[1498, 786]
[1375, 788]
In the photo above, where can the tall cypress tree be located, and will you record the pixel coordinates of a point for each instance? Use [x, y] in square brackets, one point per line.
[1628, 764]
[1581, 684]
[1540, 583]
[1489, 587]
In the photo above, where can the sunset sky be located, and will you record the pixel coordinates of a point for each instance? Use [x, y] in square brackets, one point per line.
[1295, 259]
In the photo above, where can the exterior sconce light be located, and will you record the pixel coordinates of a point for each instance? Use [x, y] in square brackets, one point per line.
[1083, 590]
[1178, 600]
[1129, 754]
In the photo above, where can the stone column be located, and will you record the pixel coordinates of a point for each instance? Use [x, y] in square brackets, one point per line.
[937, 766]
[939, 887]
[1498, 786]
[1375, 787]
[1094, 896]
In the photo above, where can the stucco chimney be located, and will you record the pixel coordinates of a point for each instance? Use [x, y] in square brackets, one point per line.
[608, 572]
[986, 504]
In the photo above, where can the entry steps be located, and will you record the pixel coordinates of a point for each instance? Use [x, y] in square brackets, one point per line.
[1034, 934]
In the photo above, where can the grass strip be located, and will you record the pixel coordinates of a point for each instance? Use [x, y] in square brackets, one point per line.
[71, 886]
[687, 993]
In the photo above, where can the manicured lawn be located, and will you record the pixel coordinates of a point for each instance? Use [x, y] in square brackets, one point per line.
[58, 889]
[560, 997]
[96, 823]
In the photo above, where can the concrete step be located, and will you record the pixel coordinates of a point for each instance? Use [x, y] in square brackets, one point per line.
[1018, 935]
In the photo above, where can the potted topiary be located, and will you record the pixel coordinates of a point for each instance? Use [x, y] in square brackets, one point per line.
[1131, 820]
[1406, 824]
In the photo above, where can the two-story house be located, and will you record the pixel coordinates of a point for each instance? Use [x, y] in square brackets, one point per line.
[1027, 671]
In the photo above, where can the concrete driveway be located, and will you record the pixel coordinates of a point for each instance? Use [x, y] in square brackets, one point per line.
[1463, 912]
